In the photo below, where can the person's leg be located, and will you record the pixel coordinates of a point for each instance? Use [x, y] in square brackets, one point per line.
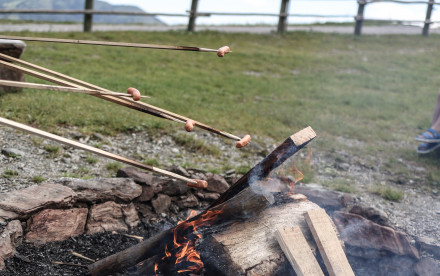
[436, 117]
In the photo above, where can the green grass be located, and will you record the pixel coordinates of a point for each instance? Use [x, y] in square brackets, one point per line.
[188, 141]
[9, 173]
[37, 179]
[377, 90]
[113, 167]
[52, 150]
[388, 193]
[91, 160]
[151, 162]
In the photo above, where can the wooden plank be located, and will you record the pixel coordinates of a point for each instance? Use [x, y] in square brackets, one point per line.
[328, 243]
[298, 252]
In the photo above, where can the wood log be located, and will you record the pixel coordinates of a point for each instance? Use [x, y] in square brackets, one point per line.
[144, 250]
[250, 247]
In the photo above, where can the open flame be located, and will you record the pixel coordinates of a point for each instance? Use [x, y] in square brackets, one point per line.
[185, 236]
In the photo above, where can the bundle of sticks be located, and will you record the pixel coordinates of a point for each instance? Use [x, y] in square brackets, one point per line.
[130, 100]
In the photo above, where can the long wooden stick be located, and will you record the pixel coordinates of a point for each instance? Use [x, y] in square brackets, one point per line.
[109, 43]
[72, 82]
[62, 88]
[91, 149]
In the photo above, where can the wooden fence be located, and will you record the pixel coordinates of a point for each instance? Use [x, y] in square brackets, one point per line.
[192, 14]
[359, 18]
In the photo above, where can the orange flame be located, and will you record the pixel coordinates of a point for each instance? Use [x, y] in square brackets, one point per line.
[184, 241]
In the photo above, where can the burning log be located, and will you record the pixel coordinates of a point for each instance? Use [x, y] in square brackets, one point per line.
[242, 200]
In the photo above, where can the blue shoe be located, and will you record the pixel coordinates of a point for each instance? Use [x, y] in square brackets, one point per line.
[427, 147]
[429, 136]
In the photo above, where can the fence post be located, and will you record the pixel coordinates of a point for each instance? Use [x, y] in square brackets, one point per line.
[192, 16]
[88, 17]
[425, 31]
[282, 22]
[359, 17]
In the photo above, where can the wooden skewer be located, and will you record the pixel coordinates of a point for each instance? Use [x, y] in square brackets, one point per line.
[91, 149]
[72, 82]
[109, 43]
[82, 256]
[62, 88]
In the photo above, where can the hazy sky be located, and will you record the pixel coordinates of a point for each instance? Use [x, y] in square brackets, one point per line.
[320, 7]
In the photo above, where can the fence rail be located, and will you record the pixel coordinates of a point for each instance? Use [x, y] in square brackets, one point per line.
[192, 14]
[359, 18]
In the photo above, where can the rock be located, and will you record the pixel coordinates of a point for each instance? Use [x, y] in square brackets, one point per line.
[174, 187]
[329, 200]
[9, 239]
[347, 200]
[131, 217]
[429, 245]
[104, 217]
[145, 210]
[103, 189]
[34, 198]
[231, 171]
[11, 152]
[13, 48]
[375, 215]
[7, 215]
[187, 201]
[427, 267]
[211, 196]
[56, 225]
[137, 175]
[179, 170]
[161, 203]
[99, 137]
[398, 266]
[148, 192]
[359, 232]
[15, 232]
[216, 183]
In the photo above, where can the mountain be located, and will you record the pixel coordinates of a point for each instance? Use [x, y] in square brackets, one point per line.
[74, 5]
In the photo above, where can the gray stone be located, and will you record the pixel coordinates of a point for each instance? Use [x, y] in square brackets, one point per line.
[187, 201]
[104, 217]
[179, 170]
[145, 210]
[56, 225]
[427, 267]
[211, 196]
[373, 214]
[7, 215]
[10, 237]
[174, 187]
[216, 183]
[429, 245]
[13, 48]
[99, 137]
[161, 203]
[29, 200]
[136, 174]
[148, 192]
[329, 200]
[11, 152]
[359, 232]
[131, 217]
[103, 189]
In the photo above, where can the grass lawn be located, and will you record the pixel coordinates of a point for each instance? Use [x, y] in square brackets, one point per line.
[378, 91]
